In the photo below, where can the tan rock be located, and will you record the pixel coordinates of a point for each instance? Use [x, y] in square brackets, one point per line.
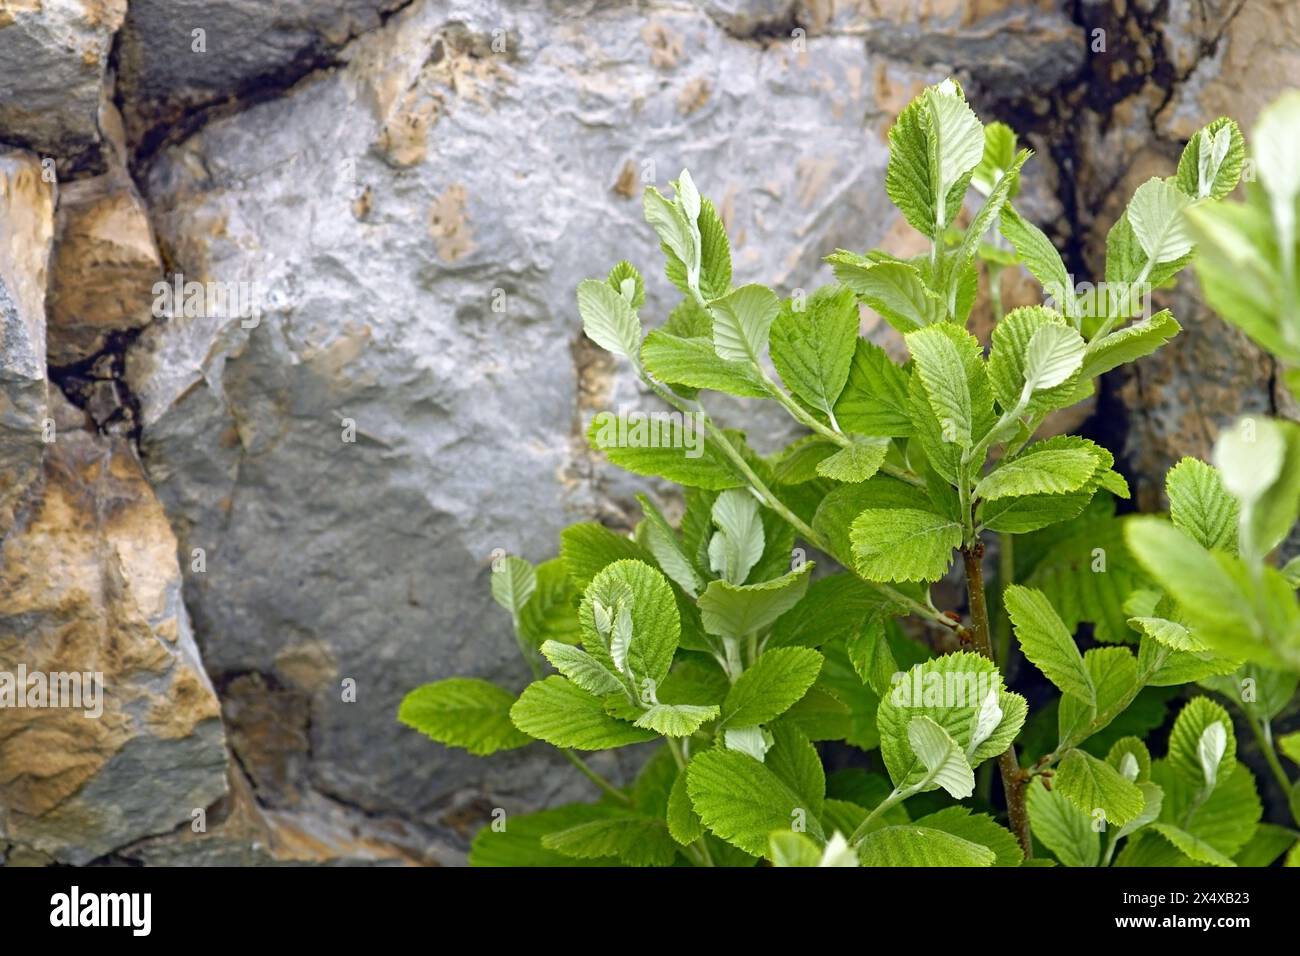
[89, 585]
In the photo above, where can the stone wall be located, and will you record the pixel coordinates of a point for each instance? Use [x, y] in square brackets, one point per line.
[409, 192]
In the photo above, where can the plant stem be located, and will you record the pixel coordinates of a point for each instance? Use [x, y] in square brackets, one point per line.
[595, 778]
[1265, 741]
[1006, 577]
[775, 504]
[894, 797]
[1013, 777]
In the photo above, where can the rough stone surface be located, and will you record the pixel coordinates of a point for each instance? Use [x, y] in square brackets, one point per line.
[26, 227]
[52, 59]
[89, 583]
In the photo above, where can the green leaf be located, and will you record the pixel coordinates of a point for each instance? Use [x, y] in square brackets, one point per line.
[999, 155]
[869, 652]
[1289, 745]
[1040, 257]
[796, 763]
[1062, 827]
[1192, 753]
[678, 234]
[676, 720]
[942, 757]
[715, 257]
[1114, 673]
[1156, 215]
[1259, 461]
[742, 321]
[893, 287]
[1201, 506]
[609, 319]
[684, 824]
[563, 714]
[903, 544]
[1092, 784]
[1052, 357]
[1226, 820]
[738, 543]
[978, 828]
[832, 609]
[1007, 362]
[655, 623]
[1187, 570]
[662, 445]
[588, 548]
[874, 400]
[1211, 163]
[955, 264]
[857, 462]
[1050, 472]
[626, 280]
[950, 691]
[912, 845]
[659, 538]
[787, 848]
[520, 842]
[943, 374]
[635, 840]
[1129, 343]
[771, 686]
[551, 614]
[1275, 135]
[834, 516]
[955, 141]
[513, 583]
[581, 668]
[742, 801]
[813, 348]
[463, 712]
[1269, 842]
[694, 363]
[1192, 846]
[1047, 644]
[732, 611]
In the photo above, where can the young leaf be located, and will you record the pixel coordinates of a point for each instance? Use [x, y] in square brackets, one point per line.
[742, 321]
[1156, 214]
[563, 714]
[1046, 642]
[771, 686]
[733, 611]
[684, 823]
[903, 544]
[669, 447]
[742, 801]
[608, 318]
[738, 543]
[813, 348]
[588, 548]
[1129, 344]
[1194, 741]
[1201, 506]
[693, 362]
[893, 287]
[513, 583]
[788, 848]
[676, 720]
[552, 612]
[655, 624]
[659, 538]
[1212, 162]
[463, 712]
[1049, 471]
[955, 141]
[857, 462]
[945, 763]
[978, 828]
[715, 255]
[581, 668]
[1092, 784]
[520, 844]
[943, 372]
[1040, 257]
[1053, 355]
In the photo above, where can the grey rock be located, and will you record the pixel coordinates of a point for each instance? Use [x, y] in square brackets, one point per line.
[381, 210]
[52, 62]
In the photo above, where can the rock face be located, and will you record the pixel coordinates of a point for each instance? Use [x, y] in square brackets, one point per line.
[367, 374]
[89, 585]
[26, 211]
[52, 66]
